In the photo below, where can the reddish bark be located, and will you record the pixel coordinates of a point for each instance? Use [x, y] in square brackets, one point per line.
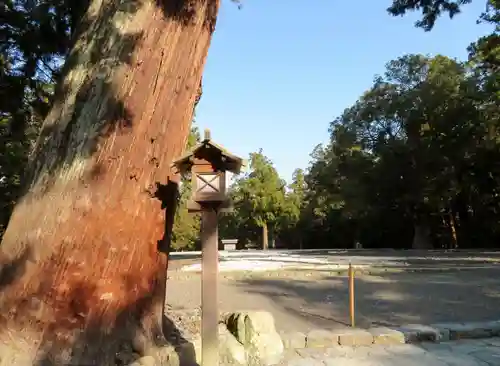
[80, 265]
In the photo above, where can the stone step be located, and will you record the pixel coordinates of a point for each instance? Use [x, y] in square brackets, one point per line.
[264, 342]
[408, 333]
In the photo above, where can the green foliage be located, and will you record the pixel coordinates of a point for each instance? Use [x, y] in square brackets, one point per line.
[410, 152]
[418, 149]
[186, 229]
[13, 155]
[261, 193]
[259, 201]
[290, 225]
[34, 38]
[295, 198]
[431, 9]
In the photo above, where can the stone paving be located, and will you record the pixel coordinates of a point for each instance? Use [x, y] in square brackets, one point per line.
[456, 353]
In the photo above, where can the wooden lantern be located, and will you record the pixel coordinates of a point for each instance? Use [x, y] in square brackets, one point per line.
[208, 184]
[208, 164]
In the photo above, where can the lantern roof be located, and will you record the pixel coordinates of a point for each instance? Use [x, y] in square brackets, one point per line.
[220, 158]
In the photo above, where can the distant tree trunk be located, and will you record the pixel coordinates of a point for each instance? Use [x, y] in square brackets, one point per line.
[80, 270]
[453, 231]
[265, 236]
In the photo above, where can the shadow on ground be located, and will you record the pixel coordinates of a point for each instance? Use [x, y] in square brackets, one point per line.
[118, 341]
[388, 299]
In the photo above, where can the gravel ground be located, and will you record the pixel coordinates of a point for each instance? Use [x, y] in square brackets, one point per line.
[184, 323]
[301, 301]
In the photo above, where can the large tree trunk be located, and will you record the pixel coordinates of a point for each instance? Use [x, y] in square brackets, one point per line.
[80, 267]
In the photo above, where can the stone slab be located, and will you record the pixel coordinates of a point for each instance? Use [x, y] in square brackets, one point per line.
[384, 335]
[408, 333]
[321, 338]
[355, 337]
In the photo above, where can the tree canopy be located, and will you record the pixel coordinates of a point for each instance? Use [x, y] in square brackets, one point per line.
[259, 196]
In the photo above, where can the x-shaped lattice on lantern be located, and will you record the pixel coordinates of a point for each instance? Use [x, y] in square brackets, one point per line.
[208, 182]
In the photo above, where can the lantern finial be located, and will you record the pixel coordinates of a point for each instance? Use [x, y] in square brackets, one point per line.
[207, 134]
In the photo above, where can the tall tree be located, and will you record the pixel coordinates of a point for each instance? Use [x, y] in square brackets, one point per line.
[289, 223]
[81, 270]
[484, 56]
[33, 36]
[410, 163]
[261, 195]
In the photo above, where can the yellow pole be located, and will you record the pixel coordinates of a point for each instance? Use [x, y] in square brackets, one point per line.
[351, 295]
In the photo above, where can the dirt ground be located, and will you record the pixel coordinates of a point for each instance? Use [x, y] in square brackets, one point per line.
[301, 301]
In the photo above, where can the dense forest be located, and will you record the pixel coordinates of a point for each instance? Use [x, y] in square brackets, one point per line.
[413, 163]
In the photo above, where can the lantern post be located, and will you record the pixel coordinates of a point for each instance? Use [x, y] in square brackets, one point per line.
[208, 164]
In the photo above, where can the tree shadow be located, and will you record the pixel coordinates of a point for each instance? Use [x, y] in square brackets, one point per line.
[185, 349]
[14, 269]
[386, 299]
[168, 194]
[113, 345]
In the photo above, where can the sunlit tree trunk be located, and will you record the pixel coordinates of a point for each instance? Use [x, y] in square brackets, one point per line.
[80, 267]
[453, 231]
[265, 236]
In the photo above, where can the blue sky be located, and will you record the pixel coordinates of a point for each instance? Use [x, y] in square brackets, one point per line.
[279, 71]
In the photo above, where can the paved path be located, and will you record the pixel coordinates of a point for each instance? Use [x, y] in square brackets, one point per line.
[460, 353]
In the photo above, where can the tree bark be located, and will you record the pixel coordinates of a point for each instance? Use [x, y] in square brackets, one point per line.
[80, 267]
